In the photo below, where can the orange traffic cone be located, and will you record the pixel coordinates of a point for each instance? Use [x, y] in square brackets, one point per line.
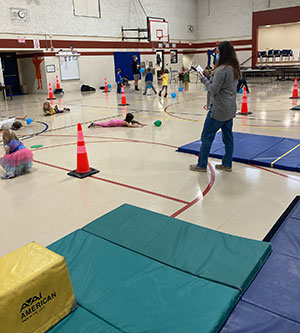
[295, 90]
[58, 89]
[57, 83]
[51, 96]
[244, 109]
[105, 86]
[123, 101]
[83, 169]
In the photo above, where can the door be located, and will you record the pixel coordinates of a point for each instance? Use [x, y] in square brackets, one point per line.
[123, 60]
[10, 71]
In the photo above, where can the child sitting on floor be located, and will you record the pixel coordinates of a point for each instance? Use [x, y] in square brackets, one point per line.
[127, 122]
[17, 159]
[49, 111]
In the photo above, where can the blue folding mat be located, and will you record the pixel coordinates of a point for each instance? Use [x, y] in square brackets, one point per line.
[263, 150]
[135, 270]
[272, 302]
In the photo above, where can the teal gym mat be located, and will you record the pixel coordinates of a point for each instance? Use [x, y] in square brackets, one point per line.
[136, 294]
[137, 271]
[82, 321]
[209, 254]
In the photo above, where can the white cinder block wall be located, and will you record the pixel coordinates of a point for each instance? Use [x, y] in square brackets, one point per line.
[212, 20]
[232, 19]
[219, 20]
[1, 73]
[56, 17]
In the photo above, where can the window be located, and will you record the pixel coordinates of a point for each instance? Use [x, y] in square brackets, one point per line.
[89, 8]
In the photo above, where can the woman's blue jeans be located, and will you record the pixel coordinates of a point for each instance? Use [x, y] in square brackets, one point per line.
[210, 128]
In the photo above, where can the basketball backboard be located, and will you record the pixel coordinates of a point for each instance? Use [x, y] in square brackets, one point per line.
[158, 30]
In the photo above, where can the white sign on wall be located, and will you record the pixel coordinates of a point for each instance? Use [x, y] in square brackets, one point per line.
[36, 43]
[69, 68]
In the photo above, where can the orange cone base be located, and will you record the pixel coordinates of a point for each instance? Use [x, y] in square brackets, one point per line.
[295, 97]
[49, 99]
[123, 104]
[296, 107]
[58, 91]
[106, 91]
[74, 173]
[244, 113]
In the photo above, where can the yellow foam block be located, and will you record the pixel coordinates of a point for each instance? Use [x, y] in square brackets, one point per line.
[35, 290]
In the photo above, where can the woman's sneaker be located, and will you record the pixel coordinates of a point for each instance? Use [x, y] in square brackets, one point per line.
[223, 167]
[195, 167]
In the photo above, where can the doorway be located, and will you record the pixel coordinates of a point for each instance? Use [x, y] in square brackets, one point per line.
[10, 71]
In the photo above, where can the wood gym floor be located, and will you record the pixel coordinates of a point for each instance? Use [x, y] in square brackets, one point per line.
[140, 166]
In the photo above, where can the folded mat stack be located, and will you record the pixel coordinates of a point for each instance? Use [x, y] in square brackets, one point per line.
[135, 270]
[269, 151]
[271, 303]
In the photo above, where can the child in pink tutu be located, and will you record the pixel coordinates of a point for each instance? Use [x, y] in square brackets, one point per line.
[18, 159]
[127, 122]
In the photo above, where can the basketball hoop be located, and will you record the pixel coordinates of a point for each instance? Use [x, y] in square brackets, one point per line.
[158, 30]
[159, 34]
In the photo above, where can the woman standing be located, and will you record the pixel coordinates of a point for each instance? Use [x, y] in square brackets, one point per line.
[136, 71]
[222, 107]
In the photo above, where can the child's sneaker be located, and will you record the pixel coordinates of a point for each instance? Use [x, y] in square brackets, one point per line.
[7, 176]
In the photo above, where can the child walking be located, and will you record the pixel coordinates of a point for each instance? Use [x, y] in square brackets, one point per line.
[17, 159]
[127, 122]
[165, 79]
[119, 81]
[149, 81]
[186, 79]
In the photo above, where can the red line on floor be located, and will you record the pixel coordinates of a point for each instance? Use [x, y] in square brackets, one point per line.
[52, 165]
[275, 172]
[117, 183]
[72, 144]
[175, 116]
[187, 204]
[113, 138]
[209, 186]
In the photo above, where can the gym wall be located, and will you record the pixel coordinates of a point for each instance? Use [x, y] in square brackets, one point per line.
[56, 17]
[232, 19]
[280, 37]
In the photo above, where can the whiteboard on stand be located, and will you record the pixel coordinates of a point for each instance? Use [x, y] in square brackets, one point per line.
[69, 67]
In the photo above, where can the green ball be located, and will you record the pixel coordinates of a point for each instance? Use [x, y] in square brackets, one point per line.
[157, 123]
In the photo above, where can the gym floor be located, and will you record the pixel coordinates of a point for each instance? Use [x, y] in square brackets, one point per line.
[140, 166]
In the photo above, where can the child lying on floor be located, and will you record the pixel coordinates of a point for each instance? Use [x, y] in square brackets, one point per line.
[127, 122]
[49, 111]
[12, 123]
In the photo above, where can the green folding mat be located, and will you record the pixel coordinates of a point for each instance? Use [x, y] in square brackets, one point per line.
[82, 321]
[212, 255]
[134, 293]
